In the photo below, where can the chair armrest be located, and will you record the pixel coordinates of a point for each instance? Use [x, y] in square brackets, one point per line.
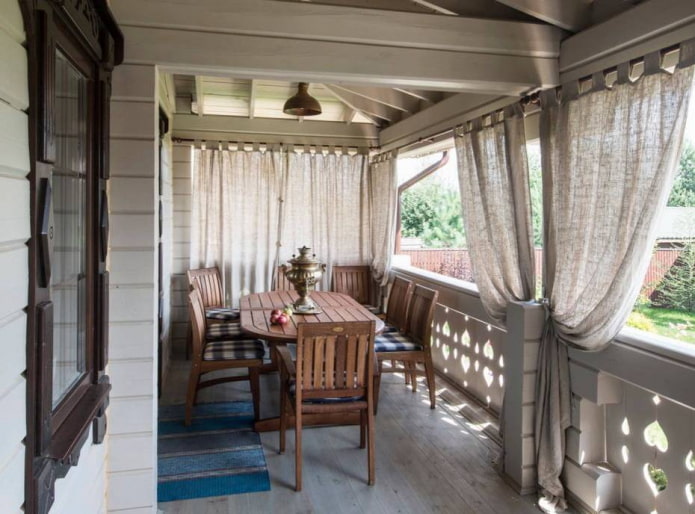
[286, 360]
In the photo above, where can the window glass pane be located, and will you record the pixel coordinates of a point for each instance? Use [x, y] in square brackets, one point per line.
[666, 305]
[69, 183]
[432, 233]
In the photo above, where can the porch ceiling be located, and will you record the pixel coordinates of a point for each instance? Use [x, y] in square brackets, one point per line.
[352, 101]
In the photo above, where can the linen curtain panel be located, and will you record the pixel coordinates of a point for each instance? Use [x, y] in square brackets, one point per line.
[608, 161]
[234, 217]
[325, 207]
[496, 206]
[383, 198]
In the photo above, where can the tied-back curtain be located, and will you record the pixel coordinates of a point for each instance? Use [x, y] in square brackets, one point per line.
[496, 205]
[383, 186]
[234, 217]
[608, 161]
[325, 207]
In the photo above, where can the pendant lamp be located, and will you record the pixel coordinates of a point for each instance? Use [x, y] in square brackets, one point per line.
[302, 104]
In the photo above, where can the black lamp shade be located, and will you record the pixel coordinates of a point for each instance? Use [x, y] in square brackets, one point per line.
[302, 104]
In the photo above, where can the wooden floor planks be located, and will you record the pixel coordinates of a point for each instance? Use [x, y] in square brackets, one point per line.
[427, 461]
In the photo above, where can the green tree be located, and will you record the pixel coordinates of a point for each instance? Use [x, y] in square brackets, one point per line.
[683, 192]
[536, 187]
[677, 289]
[432, 212]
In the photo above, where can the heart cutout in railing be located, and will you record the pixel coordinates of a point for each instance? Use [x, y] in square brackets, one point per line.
[656, 478]
[655, 436]
[465, 363]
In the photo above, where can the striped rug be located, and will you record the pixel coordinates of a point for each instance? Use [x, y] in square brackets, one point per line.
[218, 455]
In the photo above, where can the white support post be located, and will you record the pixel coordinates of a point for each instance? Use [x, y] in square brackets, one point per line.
[524, 330]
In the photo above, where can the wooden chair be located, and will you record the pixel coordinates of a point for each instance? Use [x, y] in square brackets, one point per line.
[414, 346]
[280, 282]
[208, 282]
[397, 306]
[219, 354]
[334, 373]
[356, 282]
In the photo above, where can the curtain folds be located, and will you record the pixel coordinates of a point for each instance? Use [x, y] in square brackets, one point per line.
[383, 197]
[608, 160]
[326, 208]
[496, 206]
[234, 217]
[252, 210]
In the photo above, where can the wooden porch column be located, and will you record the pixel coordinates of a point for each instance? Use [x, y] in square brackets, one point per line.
[524, 330]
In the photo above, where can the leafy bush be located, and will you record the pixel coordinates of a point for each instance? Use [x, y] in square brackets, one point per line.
[640, 321]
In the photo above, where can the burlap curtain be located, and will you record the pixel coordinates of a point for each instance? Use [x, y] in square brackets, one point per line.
[234, 217]
[608, 160]
[326, 207]
[496, 206]
[383, 197]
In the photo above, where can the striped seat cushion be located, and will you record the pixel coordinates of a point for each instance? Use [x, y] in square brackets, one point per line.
[222, 313]
[388, 328]
[223, 331]
[395, 342]
[234, 350]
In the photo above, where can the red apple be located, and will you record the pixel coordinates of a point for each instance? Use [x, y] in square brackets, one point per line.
[282, 319]
[275, 312]
[274, 318]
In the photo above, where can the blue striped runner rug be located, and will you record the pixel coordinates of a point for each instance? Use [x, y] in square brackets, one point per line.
[218, 455]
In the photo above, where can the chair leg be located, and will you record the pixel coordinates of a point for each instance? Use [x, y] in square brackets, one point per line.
[429, 372]
[255, 391]
[298, 448]
[283, 417]
[371, 450]
[193, 380]
[377, 386]
[412, 367]
[363, 429]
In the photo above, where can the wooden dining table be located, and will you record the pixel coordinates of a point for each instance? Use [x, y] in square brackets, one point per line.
[255, 320]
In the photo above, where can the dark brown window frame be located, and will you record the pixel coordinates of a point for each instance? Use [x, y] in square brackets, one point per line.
[86, 33]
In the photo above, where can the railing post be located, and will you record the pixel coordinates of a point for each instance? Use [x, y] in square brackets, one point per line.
[524, 330]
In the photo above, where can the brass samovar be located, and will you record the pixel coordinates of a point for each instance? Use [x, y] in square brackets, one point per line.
[304, 272]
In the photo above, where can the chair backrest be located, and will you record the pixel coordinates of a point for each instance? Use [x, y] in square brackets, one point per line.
[335, 360]
[420, 314]
[196, 313]
[280, 282]
[354, 281]
[209, 282]
[399, 301]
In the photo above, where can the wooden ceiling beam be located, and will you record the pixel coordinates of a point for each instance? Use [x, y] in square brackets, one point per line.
[389, 97]
[428, 96]
[342, 97]
[198, 95]
[572, 15]
[229, 128]
[252, 98]
[363, 104]
[435, 7]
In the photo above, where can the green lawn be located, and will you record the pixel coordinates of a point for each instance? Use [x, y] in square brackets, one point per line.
[678, 325]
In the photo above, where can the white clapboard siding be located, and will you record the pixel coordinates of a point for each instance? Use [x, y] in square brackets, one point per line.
[14, 233]
[133, 291]
[166, 239]
[84, 489]
[181, 245]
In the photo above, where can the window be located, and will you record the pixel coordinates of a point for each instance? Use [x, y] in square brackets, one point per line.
[67, 389]
[430, 232]
[666, 305]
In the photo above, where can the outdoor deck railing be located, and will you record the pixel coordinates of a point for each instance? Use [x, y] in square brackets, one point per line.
[632, 434]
